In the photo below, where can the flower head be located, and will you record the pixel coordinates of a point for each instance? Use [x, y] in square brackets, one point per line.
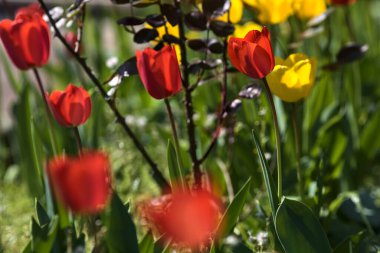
[26, 38]
[293, 78]
[252, 55]
[82, 183]
[70, 107]
[272, 11]
[188, 219]
[159, 71]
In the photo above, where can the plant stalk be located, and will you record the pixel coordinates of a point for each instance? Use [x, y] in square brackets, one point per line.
[297, 143]
[278, 137]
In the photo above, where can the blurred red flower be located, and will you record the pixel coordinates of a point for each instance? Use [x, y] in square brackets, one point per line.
[252, 55]
[159, 71]
[342, 2]
[26, 39]
[70, 107]
[82, 183]
[187, 219]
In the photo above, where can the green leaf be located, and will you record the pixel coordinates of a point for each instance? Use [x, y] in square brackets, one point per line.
[43, 236]
[121, 231]
[369, 134]
[174, 168]
[29, 156]
[233, 211]
[43, 217]
[299, 230]
[269, 184]
[147, 243]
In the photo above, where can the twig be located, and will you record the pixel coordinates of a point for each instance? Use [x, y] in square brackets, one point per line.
[223, 102]
[188, 101]
[78, 43]
[157, 175]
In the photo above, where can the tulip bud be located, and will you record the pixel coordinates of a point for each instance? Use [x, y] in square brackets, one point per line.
[159, 71]
[27, 38]
[252, 55]
[292, 79]
[70, 107]
[83, 184]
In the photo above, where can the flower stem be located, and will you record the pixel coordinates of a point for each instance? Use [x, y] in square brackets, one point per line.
[297, 149]
[278, 137]
[48, 113]
[77, 139]
[174, 131]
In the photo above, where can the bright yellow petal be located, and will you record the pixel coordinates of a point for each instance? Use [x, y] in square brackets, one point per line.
[307, 9]
[272, 11]
[236, 12]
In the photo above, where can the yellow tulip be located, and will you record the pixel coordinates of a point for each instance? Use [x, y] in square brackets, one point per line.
[292, 79]
[307, 9]
[272, 11]
[236, 12]
[242, 30]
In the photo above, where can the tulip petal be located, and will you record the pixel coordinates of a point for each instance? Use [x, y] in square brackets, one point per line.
[11, 43]
[31, 42]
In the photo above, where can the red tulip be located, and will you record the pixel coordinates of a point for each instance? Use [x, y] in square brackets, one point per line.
[70, 107]
[342, 2]
[159, 71]
[26, 39]
[82, 183]
[188, 219]
[252, 55]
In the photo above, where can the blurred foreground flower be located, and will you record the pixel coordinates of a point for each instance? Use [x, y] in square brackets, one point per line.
[187, 219]
[252, 55]
[159, 71]
[82, 183]
[26, 38]
[292, 79]
[70, 107]
[342, 2]
[272, 11]
[308, 9]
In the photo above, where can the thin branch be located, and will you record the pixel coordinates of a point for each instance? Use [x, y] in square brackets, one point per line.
[188, 101]
[157, 175]
[223, 102]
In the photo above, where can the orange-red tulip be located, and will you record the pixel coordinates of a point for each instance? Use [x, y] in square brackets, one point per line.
[26, 39]
[83, 184]
[159, 71]
[252, 55]
[187, 219]
[342, 2]
[70, 107]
